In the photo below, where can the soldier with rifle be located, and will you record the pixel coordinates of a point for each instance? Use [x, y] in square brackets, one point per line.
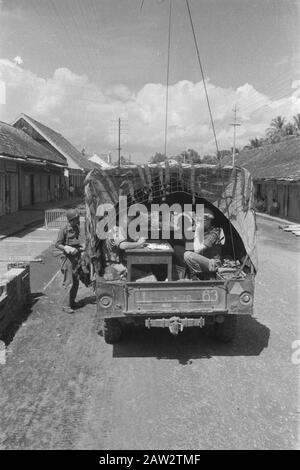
[68, 243]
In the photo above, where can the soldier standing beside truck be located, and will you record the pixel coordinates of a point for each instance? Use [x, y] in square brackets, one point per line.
[68, 242]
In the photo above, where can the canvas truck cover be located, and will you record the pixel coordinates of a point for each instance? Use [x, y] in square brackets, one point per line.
[230, 189]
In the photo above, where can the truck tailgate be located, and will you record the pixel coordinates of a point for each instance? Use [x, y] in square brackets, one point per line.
[175, 297]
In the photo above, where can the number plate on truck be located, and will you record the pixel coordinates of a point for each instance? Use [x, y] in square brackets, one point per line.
[208, 295]
[175, 299]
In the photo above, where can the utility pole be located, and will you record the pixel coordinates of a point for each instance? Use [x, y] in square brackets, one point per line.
[119, 147]
[234, 124]
[121, 130]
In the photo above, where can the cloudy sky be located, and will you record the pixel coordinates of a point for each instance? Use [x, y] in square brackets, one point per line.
[79, 65]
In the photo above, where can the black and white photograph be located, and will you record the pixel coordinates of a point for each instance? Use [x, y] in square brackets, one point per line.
[149, 228]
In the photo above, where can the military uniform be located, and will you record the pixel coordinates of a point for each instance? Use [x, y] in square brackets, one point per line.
[69, 235]
[210, 256]
[114, 257]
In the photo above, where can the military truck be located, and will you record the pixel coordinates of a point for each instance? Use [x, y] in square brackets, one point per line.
[216, 298]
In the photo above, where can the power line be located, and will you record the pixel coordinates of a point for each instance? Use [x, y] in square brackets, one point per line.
[203, 78]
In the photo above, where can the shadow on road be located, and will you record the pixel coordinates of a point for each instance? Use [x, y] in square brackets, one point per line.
[28, 229]
[252, 337]
[89, 300]
[8, 335]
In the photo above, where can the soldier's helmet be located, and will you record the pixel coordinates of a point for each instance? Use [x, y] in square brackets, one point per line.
[72, 214]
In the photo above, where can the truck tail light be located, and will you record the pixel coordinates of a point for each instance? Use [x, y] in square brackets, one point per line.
[105, 301]
[246, 298]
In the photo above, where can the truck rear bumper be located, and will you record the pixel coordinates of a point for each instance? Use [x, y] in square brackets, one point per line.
[175, 324]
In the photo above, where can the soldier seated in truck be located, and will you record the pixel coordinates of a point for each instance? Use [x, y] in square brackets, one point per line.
[207, 252]
[115, 246]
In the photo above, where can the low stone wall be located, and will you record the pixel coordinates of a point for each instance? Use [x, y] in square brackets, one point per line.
[15, 295]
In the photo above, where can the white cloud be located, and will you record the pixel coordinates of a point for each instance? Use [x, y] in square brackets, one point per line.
[83, 112]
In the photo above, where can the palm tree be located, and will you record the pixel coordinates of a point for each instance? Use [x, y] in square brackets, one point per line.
[276, 129]
[289, 129]
[297, 121]
[277, 124]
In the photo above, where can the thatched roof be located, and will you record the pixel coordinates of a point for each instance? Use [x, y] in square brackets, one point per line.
[273, 161]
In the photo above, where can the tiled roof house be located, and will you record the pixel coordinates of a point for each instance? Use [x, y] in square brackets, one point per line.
[14, 143]
[29, 172]
[273, 161]
[78, 164]
[275, 169]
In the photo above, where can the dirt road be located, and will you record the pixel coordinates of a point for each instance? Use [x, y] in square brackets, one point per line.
[62, 387]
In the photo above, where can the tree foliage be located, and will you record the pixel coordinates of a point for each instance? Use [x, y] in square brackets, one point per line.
[297, 122]
[278, 129]
[158, 158]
